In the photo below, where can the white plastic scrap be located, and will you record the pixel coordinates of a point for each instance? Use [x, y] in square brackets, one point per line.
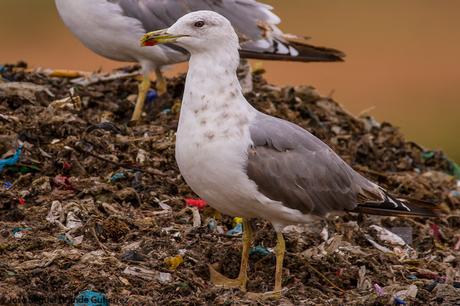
[56, 213]
[399, 246]
[148, 274]
[388, 236]
[409, 292]
[73, 221]
[377, 246]
[141, 156]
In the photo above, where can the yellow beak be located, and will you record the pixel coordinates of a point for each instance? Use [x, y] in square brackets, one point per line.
[159, 37]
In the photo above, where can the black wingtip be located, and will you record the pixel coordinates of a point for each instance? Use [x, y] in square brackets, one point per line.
[306, 53]
[392, 206]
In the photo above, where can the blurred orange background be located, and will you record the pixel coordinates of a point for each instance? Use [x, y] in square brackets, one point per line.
[402, 62]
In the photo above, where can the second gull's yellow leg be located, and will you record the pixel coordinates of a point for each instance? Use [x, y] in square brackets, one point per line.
[162, 85]
[144, 87]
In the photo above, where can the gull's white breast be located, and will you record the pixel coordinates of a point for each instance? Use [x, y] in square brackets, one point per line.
[211, 152]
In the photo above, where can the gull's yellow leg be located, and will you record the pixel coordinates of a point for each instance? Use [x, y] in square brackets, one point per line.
[162, 85]
[275, 294]
[144, 87]
[280, 250]
[242, 279]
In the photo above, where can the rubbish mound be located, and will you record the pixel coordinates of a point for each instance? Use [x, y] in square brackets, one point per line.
[93, 207]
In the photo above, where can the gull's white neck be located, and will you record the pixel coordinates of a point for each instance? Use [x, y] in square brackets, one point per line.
[212, 90]
[211, 74]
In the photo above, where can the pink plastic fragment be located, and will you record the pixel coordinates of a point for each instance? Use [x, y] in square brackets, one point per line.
[457, 245]
[63, 182]
[379, 290]
[435, 231]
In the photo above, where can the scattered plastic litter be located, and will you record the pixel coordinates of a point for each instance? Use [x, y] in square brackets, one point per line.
[164, 278]
[457, 245]
[20, 232]
[141, 156]
[198, 203]
[7, 185]
[388, 236]
[22, 201]
[71, 103]
[147, 274]
[406, 233]
[12, 160]
[66, 165]
[431, 286]
[259, 250]
[118, 176]
[66, 239]
[63, 182]
[174, 262]
[91, 298]
[435, 231]
[236, 231]
[151, 96]
[399, 301]
[379, 290]
[132, 255]
[212, 224]
[73, 221]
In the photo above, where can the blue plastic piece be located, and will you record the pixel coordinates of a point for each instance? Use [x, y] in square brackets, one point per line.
[399, 301]
[259, 250]
[236, 231]
[117, 176]
[65, 239]
[91, 298]
[212, 224]
[151, 96]
[12, 160]
[7, 185]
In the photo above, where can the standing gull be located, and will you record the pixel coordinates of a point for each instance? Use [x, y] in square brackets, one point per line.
[110, 28]
[245, 163]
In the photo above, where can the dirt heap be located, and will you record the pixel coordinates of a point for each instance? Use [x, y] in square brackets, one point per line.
[94, 203]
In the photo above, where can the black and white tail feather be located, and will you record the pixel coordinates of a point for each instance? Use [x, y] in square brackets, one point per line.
[392, 206]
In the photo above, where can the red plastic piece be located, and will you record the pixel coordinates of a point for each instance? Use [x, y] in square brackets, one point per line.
[200, 204]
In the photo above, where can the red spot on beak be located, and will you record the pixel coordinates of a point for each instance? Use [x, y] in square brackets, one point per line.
[150, 43]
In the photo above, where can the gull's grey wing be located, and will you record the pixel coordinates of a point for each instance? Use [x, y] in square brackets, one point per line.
[254, 22]
[292, 166]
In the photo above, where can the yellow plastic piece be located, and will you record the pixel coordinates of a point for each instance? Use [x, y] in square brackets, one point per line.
[237, 220]
[174, 262]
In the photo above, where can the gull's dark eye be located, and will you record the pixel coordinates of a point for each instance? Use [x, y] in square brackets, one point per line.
[199, 24]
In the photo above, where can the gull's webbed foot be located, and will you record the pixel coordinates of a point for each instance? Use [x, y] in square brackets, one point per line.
[222, 281]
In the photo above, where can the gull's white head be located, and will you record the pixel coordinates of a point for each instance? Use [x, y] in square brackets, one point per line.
[197, 32]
